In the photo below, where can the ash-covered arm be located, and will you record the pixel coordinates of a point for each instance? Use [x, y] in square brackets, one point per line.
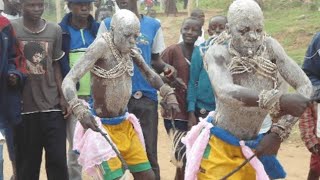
[215, 62]
[83, 65]
[294, 75]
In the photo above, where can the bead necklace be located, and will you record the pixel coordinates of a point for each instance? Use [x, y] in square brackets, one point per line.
[258, 63]
[125, 65]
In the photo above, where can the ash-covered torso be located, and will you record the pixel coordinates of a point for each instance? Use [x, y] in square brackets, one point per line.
[245, 122]
[111, 95]
[241, 64]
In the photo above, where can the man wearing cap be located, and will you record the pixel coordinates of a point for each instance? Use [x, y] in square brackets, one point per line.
[79, 30]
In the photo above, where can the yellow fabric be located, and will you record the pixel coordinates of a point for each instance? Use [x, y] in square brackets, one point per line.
[221, 159]
[128, 143]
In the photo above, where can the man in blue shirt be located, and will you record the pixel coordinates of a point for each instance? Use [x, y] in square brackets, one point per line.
[79, 31]
[144, 101]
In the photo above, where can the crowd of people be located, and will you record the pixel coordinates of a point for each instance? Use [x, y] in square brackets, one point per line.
[93, 81]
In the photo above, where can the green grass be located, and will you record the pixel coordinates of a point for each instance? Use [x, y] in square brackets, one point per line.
[292, 23]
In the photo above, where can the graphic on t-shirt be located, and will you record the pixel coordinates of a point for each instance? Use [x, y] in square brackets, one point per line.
[35, 54]
[142, 39]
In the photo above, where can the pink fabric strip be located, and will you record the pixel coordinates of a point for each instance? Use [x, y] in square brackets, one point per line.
[94, 149]
[255, 162]
[197, 140]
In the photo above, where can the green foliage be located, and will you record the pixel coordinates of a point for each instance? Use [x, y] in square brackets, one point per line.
[291, 22]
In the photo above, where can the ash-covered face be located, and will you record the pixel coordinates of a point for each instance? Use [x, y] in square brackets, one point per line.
[247, 36]
[125, 38]
[246, 26]
[125, 28]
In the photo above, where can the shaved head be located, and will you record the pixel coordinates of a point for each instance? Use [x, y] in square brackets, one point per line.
[244, 9]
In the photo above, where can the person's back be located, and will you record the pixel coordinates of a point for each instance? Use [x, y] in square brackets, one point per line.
[43, 124]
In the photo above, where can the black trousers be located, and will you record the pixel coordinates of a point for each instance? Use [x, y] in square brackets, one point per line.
[146, 111]
[37, 131]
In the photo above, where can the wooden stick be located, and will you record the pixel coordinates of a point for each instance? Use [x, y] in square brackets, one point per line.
[238, 168]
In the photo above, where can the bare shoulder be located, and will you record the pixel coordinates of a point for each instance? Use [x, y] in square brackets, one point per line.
[273, 45]
[100, 43]
[217, 54]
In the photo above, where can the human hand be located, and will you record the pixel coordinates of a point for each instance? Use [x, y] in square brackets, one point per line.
[88, 121]
[192, 120]
[135, 53]
[66, 109]
[170, 72]
[269, 145]
[293, 104]
[315, 149]
[170, 105]
[178, 84]
[13, 80]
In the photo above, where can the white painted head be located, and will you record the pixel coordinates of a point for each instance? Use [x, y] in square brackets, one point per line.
[125, 28]
[245, 22]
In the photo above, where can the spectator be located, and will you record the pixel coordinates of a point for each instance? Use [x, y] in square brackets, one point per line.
[79, 30]
[43, 124]
[12, 67]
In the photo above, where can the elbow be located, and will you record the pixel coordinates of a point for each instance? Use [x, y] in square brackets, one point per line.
[306, 89]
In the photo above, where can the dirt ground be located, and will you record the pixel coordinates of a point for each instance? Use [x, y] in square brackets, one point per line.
[293, 155]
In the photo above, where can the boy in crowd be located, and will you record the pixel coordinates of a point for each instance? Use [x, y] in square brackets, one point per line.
[179, 56]
[79, 29]
[12, 67]
[199, 14]
[43, 124]
[217, 24]
[200, 93]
